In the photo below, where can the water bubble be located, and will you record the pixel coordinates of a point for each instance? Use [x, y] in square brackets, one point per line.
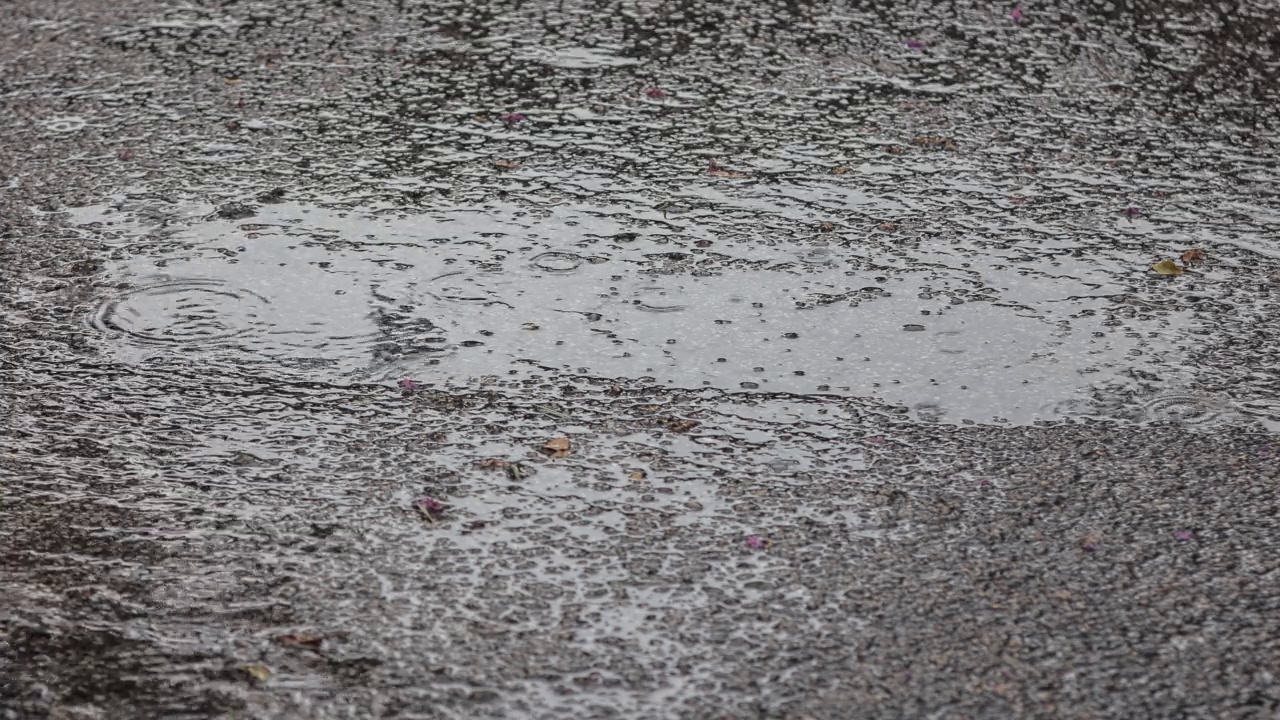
[63, 124]
[557, 262]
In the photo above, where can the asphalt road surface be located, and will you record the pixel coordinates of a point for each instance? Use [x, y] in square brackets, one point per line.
[639, 359]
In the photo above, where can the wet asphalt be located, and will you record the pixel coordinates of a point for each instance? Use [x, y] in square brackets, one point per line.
[639, 360]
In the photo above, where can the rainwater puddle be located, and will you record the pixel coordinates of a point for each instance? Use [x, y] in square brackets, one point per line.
[948, 327]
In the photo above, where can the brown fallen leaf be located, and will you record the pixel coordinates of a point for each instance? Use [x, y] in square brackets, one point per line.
[638, 475]
[557, 447]
[1194, 257]
[681, 426]
[713, 168]
[839, 170]
[1167, 267]
[887, 227]
[935, 142]
[826, 226]
[896, 149]
[614, 390]
[305, 640]
[506, 164]
[493, 463]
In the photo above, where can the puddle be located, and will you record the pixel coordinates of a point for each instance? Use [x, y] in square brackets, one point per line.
[951, 329]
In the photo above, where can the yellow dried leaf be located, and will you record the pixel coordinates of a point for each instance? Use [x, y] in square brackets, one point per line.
[258, 672]
[638, 475]
[839, 170]
[1167, 267]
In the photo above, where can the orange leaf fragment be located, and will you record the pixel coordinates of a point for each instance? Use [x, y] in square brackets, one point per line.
[557, 447]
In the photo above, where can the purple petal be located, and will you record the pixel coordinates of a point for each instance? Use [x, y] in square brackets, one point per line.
[655, 93]
[755, 542]
[410, 386]
[1184, 535]
[1016, 15]
[510, 119]
[915, 44]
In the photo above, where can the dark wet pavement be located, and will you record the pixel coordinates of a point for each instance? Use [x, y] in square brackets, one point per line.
[783, 360]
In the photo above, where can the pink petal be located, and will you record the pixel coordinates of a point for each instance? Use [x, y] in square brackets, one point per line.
[430, 504]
